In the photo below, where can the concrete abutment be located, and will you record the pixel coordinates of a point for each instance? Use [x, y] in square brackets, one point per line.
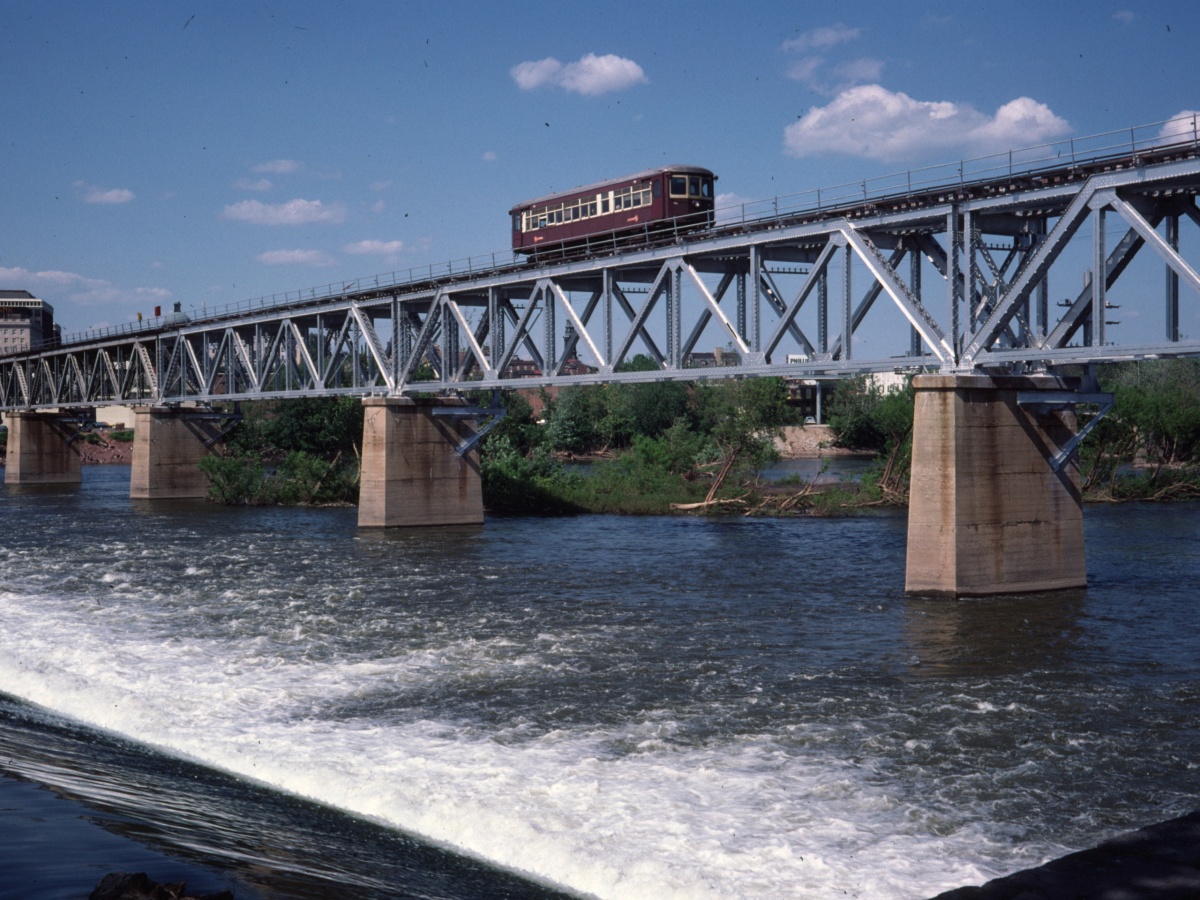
[988, 511]
[412, 474]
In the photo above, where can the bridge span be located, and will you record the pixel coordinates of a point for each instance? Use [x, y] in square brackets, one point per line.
[982, 280]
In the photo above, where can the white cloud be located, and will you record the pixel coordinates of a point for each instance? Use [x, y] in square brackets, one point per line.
[278, 167]
[56, 286]
[857, 71]
[109, 197]
[532, 75]
[806, 69]
[1124, 16]
[254, 184]
[296, 258]
[811, 67]
[845, 75]
[731, 207]
[590, 75]
[69, 289]
[873, 122]
[294, 212]
[375, 248]
[489, 156]
[1183, 124]
[820, 38]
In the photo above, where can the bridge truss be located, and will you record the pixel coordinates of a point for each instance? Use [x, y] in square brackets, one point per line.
[959, 277]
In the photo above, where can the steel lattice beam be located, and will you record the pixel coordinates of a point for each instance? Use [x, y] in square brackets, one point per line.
[990, 248]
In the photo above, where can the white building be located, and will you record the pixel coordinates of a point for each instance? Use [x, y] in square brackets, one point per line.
[25, 321]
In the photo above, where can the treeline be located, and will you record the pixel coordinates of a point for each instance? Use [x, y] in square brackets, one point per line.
[1148, 446]
[290, 452]
[654, 447]
[647, 446]
[651, 445]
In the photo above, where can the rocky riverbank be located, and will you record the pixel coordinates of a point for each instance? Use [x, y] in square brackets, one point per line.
[809, 442]
[106, 451]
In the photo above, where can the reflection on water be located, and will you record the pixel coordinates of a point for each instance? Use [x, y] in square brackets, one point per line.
[998, 635]
[828, 470]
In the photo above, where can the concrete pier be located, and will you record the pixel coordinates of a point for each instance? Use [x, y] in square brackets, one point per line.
[38, 452]
[166, 450]
[411, 472]
[988, 513]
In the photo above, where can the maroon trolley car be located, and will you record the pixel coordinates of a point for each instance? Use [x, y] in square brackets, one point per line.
[599, 217]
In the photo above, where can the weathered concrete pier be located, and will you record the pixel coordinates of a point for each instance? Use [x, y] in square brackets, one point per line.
[992, 507]
[412, 472]
[40, 450]
[420, 466]
[166, 449]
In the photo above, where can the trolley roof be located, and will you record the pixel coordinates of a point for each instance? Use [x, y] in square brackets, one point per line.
[601, 185]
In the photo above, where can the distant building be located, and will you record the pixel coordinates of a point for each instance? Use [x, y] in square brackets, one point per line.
[25, 321]
[888, 382]
[521, 368]
[574, 367]
[718, 358]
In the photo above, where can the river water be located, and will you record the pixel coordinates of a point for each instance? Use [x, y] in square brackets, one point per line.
[611, 707]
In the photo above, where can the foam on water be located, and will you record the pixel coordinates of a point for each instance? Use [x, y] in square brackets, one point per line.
[697, 738]
[744, 818]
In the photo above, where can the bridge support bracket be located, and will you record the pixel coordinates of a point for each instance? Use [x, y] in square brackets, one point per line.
[1045, 400]
[495, 412]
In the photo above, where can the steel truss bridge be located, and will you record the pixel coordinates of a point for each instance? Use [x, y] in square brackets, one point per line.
[957, 276]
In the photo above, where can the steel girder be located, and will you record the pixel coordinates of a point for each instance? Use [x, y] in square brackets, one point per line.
[759, 295]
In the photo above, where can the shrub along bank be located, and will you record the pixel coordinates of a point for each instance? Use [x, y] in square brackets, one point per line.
[290, 452]
[673, 447]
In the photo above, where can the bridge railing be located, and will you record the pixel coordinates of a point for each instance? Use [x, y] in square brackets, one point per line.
[466, 267]
[1183, 132]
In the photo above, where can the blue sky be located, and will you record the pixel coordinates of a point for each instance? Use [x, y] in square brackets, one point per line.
[208, 153]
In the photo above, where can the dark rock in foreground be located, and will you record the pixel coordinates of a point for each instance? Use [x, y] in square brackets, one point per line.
[1160, 862]
[137, 886]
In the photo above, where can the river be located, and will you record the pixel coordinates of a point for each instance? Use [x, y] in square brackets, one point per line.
[610, 707]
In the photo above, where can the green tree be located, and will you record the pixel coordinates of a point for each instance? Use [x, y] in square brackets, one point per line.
[863, 416]
[324, 426]
[742, 418]
[571, 420]
[1155, 421]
